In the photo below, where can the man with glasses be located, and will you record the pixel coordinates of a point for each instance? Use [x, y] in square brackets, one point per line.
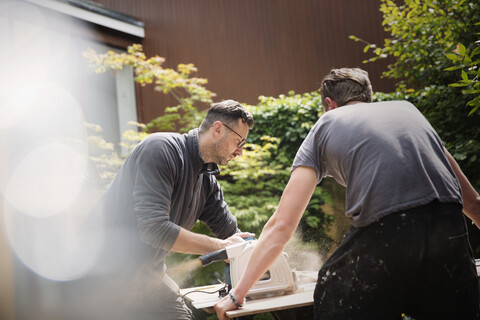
[166, 184]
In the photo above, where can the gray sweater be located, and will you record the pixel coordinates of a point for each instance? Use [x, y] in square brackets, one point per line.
[163, 185]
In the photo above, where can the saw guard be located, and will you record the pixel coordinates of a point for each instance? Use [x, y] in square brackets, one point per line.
[278, 280]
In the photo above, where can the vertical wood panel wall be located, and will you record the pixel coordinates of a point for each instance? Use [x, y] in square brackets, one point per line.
[247, 48]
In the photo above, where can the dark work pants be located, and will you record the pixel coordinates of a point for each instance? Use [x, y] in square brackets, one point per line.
[146, 294]
[416, 262]
[155, 296]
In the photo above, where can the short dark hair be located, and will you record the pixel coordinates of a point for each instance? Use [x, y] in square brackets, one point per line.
[345, 85]
[227, 111]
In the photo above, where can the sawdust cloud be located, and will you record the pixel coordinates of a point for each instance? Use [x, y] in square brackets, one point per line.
[304, 256]
[184, 269]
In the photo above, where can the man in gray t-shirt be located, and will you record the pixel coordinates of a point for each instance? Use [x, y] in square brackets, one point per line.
[386, 152]
[407, 251]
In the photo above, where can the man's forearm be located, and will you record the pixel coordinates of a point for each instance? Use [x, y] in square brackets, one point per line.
[194, 243]
[276, 233]
[470, 197]
[280, 227]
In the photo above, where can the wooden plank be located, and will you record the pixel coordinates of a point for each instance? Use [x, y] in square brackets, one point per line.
[202, 297]
[303, 296]
[300, 298]
[290, 301]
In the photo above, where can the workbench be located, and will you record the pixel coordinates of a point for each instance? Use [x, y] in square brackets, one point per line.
[303, 296]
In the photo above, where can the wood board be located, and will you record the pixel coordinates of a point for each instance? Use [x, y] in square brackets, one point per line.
[303, 296]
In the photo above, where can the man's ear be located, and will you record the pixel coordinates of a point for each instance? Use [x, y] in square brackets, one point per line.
[331, 104]
[217, 128]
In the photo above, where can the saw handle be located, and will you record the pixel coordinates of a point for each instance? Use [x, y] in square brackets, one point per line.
[214, 256]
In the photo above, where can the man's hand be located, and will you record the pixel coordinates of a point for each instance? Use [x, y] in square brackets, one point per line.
[224, 305]
[237, 238]
[195, 243]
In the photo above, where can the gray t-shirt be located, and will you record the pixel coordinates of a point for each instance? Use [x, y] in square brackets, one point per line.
[386, 154]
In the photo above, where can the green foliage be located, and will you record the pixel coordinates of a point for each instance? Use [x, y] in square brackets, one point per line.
[425, 37]
[288, 118]
[465, 60]
[104, 158]
[315, 222]
[253, 184]
[420, 34]
[188, 91]
[132, 137]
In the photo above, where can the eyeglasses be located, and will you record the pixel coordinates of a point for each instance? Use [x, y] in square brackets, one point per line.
[241, 143]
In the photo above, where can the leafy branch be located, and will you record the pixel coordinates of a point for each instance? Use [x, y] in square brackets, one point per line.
[465, 60]
[187, 90]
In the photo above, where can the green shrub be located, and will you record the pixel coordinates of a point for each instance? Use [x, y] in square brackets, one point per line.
[464, 59]
[288, 117]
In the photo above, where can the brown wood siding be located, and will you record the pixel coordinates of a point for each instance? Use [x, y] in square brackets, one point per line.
[249, 48]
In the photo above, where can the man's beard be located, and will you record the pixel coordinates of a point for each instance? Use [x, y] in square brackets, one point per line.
[215, 152]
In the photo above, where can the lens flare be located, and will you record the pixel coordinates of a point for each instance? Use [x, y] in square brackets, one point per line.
[47, 180]
[61, 247]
